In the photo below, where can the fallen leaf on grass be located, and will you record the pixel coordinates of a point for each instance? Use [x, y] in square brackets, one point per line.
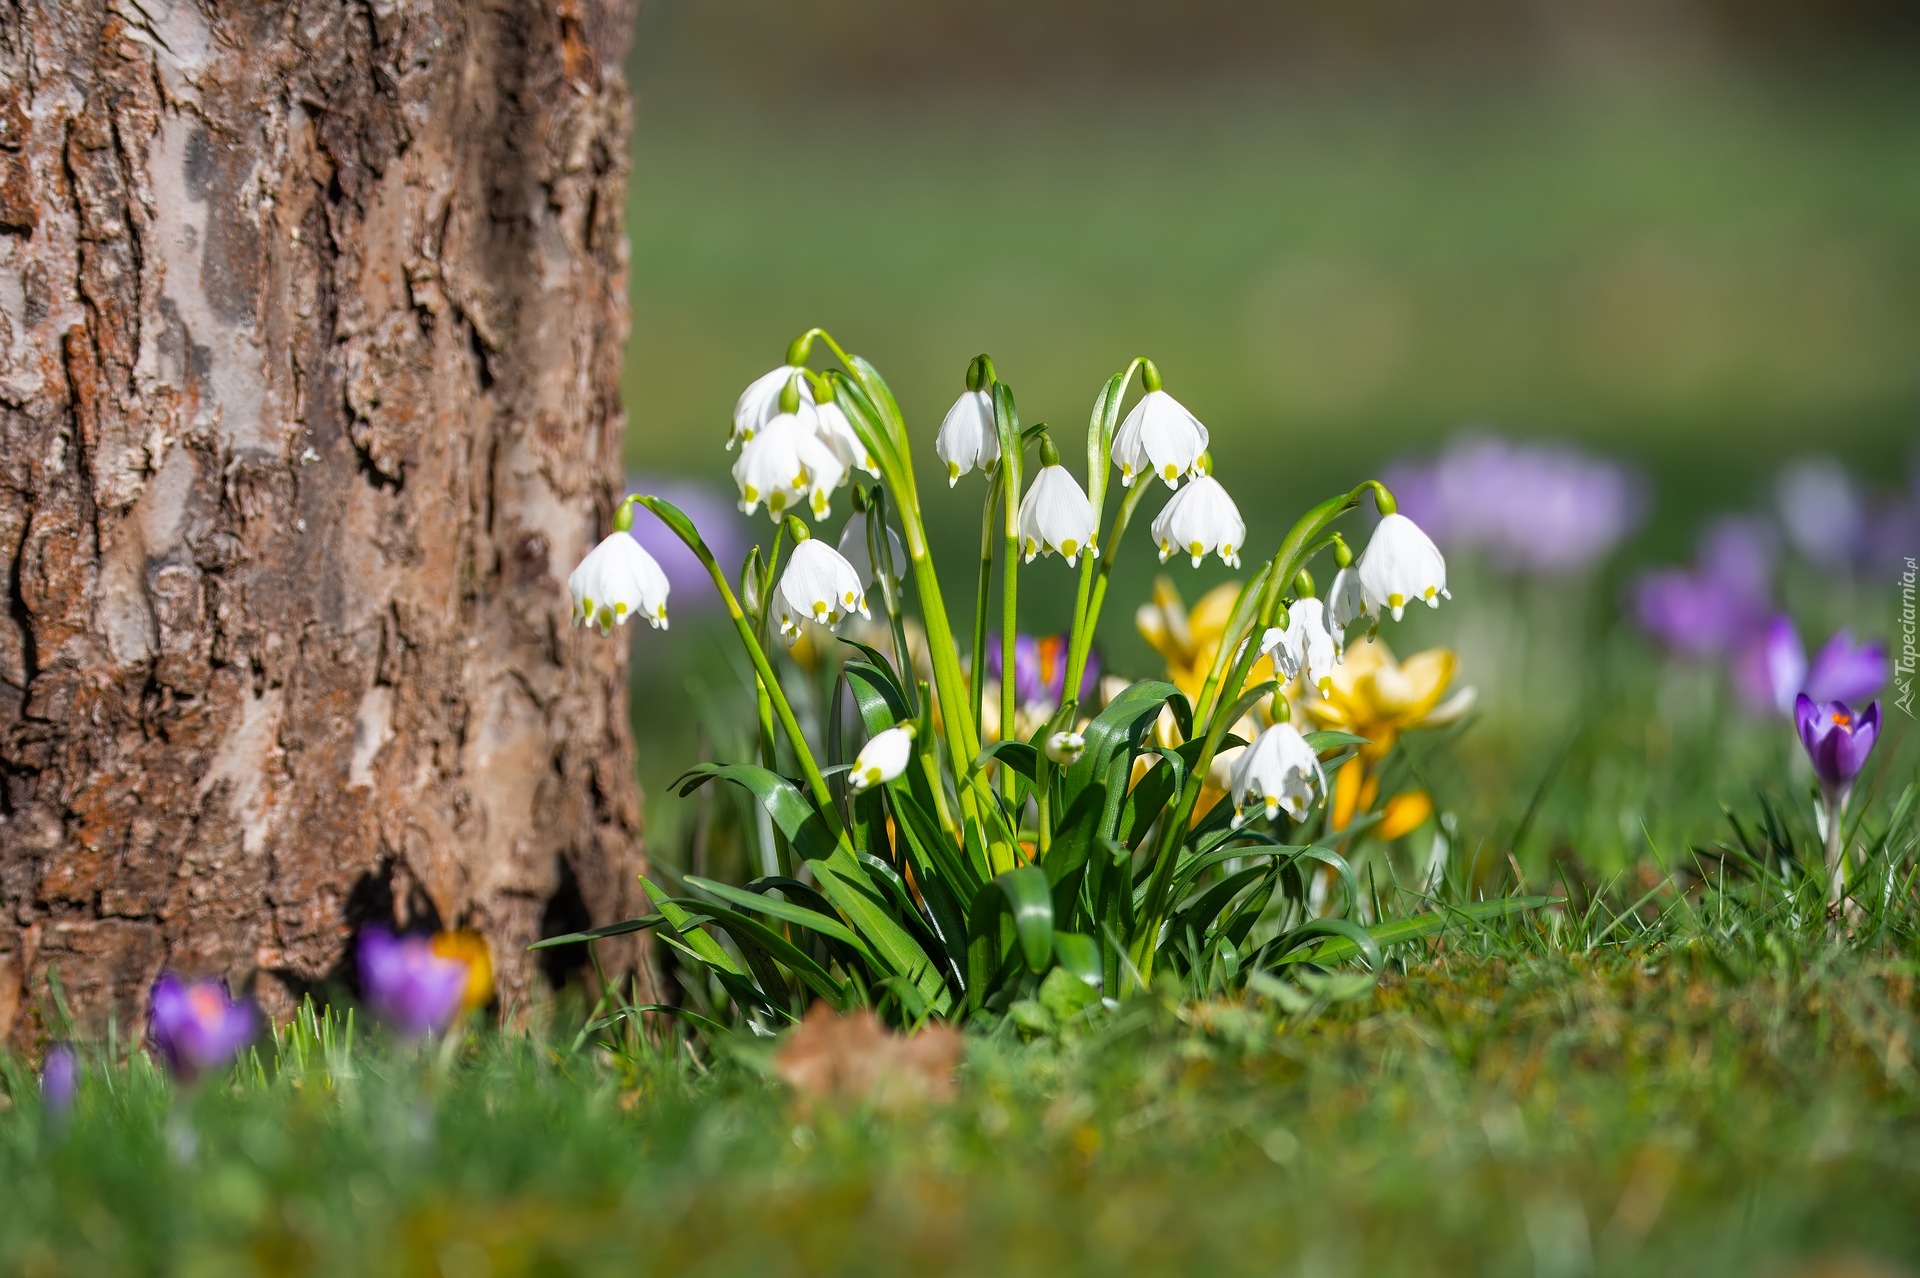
[855, 1059]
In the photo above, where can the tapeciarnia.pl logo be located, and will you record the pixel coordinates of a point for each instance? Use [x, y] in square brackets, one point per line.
[1905, 660]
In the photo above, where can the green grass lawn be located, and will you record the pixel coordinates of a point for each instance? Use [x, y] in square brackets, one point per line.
[1697, 1087]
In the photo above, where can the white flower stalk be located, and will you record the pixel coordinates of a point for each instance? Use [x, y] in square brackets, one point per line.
[883, 758]
[838, 434]
[818, 584]
[618, 579]
[1401, 564]
[1065, 748]
[759, 403]
[854, 546]
[1346, 604]
[780, 463]
[1056, 516]
[1279, 771]
[968, 437]
[1159, 437]
[1200, 518]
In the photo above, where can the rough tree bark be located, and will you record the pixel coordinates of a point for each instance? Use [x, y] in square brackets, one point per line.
[311, 315]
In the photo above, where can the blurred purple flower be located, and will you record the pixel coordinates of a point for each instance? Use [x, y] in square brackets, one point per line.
[713, 513]
[59, 1080]
[1822, 511]
[1710, 609]
[199, 1027]
[1771, 669]
[413, 989]
[1532, 508]
[1040, 669]
[1838, 742]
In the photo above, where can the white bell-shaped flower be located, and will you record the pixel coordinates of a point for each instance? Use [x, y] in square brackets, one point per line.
[759, 403]
[1159, 437]
[780, 463]
[837, 433]
[1199, 518]
[1278, 771]
[1346, 604]
[857, 550]
[1401, 564]
[1065, 748]
[1055, 515]
[968, 437]
[818, 584]
[618, 579]
[883, 758]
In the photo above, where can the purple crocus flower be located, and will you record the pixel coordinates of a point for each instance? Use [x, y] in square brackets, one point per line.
[59, 1080]
[1838, 741]
[198, 1026]
[1040, 669]
[1772, 669]
[1541, 509]
[1710, 609]
[1821, 508]
[409, 986]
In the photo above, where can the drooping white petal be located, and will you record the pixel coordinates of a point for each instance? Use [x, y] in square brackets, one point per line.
[883, 758]
[818, 584]
[825, 472]
[854, 545]
[772, 467]
[1055, 515]
[1159, 437]
[1284, 645]
[1199, 518]
[759, 403]
[1278, 771]
[1317, 647]
[837, 433]
[1346, 604]
[967, 437]
[618, 579]
[1065, 748]
[1401, 564]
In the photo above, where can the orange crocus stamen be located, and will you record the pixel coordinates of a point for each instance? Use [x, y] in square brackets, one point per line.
[1842, 719]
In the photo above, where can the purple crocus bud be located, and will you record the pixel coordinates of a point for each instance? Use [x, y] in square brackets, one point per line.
[1847, 671]
[59, 1080]
[1737, 553]
[199, 1027]
[1838, 741]
[409, 986]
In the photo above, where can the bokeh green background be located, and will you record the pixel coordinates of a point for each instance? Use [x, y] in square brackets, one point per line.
[1686, 234]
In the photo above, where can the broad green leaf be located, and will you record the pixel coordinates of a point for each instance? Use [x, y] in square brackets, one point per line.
[786, 912]
[1024, 895]
[1349, 940]
[792, 811]
[1329, 739]
[640, 924]
[749, 932]
[1078, 954]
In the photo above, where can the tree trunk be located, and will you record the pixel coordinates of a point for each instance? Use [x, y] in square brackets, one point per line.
[311, 317]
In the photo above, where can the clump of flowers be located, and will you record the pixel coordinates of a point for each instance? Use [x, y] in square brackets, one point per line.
[198, 1027]
[943, 856]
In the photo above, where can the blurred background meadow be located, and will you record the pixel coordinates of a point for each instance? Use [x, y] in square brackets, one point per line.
[1606, 290]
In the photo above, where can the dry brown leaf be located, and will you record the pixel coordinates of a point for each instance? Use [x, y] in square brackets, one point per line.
[854, 1059]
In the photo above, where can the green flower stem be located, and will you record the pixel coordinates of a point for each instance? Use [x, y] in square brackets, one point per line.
[822, 793]
[1087, 616]
[983, 600]
[1007, 421]
[880, 555]
[1101, 424]
[1286, 562]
